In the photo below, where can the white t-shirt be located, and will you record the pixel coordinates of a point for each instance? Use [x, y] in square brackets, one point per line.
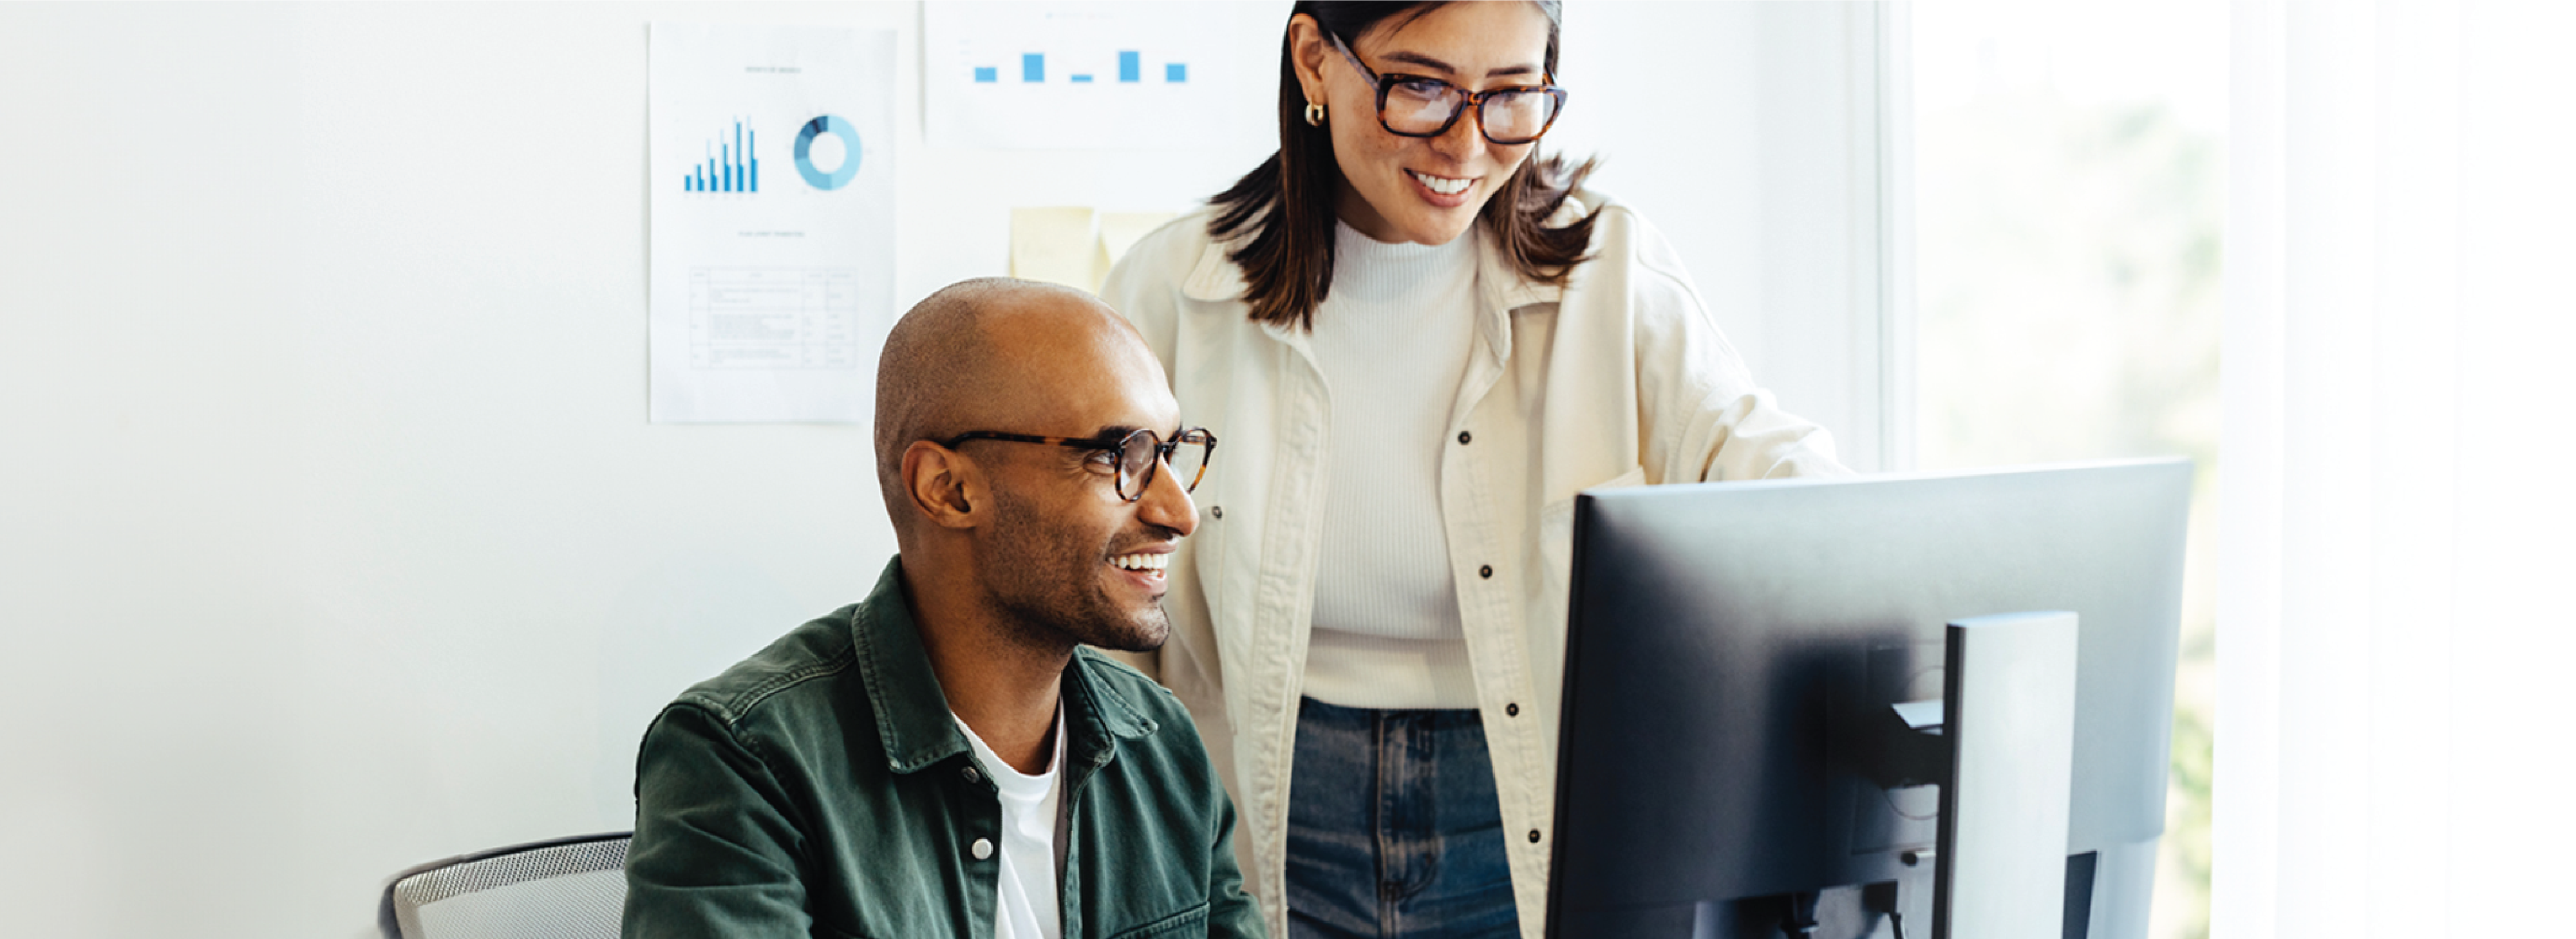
[1027, 906]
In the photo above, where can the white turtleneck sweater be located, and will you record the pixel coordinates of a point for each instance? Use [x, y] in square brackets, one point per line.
[1392, 338]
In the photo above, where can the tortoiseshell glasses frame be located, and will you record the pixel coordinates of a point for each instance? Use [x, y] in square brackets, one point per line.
[1522, 105]
[1134, 456]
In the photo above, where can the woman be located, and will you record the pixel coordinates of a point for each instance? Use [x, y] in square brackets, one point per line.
[1418, 342]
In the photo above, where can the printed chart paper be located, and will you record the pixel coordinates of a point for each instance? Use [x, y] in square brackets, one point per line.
[1074, 76]
[772, 183]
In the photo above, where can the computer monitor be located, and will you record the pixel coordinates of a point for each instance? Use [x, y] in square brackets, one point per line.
[1733, 650]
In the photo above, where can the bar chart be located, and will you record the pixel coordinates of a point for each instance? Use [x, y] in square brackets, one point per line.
[1080, 75]
[729, 166]
[1033, 70]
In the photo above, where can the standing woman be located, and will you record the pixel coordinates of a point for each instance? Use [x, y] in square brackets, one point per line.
[1419, 342]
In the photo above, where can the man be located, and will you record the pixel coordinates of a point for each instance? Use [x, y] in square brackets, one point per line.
[944, 758]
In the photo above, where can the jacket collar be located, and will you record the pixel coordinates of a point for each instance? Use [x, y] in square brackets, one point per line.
[1097, 713]
[913, 719]
[1214, 277]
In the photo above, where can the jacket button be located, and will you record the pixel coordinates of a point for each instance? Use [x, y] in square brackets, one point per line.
[984, 847]
[1533, 838]
[1511, 710]
[1217, 511]
[971, 775]
[1464, 436]
[1486, 572]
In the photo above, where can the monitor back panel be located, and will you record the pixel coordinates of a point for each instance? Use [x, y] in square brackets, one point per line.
[1731, 643]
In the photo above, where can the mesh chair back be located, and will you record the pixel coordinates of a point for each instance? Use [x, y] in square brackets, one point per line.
[568, 888]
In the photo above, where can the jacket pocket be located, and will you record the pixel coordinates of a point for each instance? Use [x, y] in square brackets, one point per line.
[1189, 922]
[1556, 535]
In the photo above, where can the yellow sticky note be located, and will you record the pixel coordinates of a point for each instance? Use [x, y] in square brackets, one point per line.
[1056, 245]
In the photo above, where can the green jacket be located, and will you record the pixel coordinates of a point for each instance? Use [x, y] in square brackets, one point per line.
[821, 788]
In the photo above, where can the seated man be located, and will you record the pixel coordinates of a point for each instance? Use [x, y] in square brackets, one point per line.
[943, 758]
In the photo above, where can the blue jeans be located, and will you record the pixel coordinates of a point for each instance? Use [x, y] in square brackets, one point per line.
[1394, 829]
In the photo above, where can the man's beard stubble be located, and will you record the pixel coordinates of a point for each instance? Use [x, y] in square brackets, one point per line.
[1045, 578]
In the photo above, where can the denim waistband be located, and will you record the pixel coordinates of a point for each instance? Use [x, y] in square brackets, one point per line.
[1337, 717]
[1393, 827]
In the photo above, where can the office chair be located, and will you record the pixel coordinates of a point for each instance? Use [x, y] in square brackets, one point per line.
[566, 888]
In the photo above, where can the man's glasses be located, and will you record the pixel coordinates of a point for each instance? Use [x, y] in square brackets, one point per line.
[1132, 457]
[1416, 106]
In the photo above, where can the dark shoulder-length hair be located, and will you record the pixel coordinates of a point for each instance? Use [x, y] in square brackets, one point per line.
[1286, 204]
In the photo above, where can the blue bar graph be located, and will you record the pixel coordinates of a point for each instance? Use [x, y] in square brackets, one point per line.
[1131, 70]
[730, 167]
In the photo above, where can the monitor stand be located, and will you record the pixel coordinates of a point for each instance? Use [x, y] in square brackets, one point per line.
[2008, 724]
[2000, 742]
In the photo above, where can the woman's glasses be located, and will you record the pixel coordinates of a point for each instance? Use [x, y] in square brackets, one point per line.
[1417, 106]
[1132, 457]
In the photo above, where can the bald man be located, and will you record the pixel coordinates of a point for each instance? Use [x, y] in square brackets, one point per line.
[945, 757]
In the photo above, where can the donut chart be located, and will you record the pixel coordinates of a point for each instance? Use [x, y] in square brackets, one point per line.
[849, 168]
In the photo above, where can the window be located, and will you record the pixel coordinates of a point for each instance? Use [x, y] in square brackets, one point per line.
[2068, 200]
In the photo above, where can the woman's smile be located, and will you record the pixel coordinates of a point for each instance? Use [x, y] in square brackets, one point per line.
[1443, 191]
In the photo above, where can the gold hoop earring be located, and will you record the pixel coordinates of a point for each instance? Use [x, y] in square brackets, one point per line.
[1314, 114]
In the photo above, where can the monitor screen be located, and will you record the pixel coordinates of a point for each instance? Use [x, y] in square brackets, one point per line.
[1733, 649]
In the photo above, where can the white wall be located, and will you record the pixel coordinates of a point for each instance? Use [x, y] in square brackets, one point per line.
[332, 535]
[1751, 134]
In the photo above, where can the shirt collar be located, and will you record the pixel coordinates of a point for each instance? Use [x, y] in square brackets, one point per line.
[913, 719]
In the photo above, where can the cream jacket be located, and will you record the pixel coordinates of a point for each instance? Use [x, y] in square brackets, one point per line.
[1619, 378]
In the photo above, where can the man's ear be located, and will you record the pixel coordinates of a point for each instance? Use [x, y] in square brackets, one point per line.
[945, 486]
